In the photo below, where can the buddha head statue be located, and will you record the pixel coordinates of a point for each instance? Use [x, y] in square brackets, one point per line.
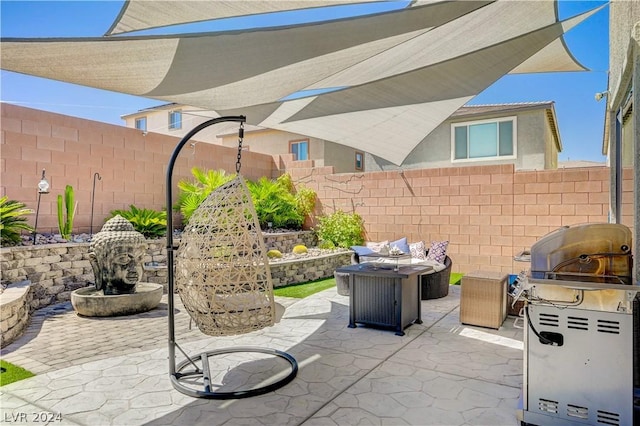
[116, 254]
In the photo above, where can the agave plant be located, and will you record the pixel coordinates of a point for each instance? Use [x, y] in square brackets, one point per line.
[150, 223]
[13, 220]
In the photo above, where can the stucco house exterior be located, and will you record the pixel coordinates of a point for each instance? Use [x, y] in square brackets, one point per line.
[178, 120]
[523, 134]
[621, 141]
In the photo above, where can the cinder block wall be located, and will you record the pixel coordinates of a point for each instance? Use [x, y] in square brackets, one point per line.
[487, 213]
[132, 166]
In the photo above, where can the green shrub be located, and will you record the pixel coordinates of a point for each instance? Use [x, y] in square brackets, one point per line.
[65, 216]
[274, 254]
[275, 204]
[305, 200]
[275, 201]
[300, 249]
[13, 221]
[340, 229]
[150, 223]
[326, 245]
[193, 193]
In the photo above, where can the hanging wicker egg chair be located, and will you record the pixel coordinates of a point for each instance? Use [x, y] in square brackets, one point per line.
[222, 272]
[222, 275]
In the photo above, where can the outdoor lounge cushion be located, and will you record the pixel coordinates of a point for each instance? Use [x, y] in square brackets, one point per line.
[402, 244]
[381, 247]
[362, 250]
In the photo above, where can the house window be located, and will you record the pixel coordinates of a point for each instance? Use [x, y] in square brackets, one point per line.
[299, 149]
[175, 120]
[482, 140]
[141, 123]
[359, 160]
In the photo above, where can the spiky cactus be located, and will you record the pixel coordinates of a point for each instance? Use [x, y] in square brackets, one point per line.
[65, 222]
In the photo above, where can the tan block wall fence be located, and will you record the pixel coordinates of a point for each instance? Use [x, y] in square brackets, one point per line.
[132, 166]
[488, 213]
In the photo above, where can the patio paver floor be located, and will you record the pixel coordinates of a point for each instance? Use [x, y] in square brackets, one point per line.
[114, 371]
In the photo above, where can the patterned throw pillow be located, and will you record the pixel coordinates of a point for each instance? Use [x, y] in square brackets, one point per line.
[418, 250]
[438, 251]
[382, 247]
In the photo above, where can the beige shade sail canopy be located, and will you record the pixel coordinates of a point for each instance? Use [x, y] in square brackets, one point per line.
[360, 82]
[137, 15]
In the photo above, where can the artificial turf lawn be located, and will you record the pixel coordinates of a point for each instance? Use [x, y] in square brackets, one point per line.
[455, 278]
[10, 373]
[300, 291]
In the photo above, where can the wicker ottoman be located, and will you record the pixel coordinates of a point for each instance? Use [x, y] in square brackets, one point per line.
[483, 299]
[342, 283]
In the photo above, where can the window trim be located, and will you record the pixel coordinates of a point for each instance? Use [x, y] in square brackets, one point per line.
[361, 168]
[297, 141]
[137, 119]
[497, 120]
[179, 126]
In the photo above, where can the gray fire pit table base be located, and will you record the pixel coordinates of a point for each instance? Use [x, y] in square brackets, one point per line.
[383, 297]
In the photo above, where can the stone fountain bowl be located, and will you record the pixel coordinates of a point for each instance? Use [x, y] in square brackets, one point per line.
[90, 302]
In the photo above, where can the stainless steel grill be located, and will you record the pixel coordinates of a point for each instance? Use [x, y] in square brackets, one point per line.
[579, 318]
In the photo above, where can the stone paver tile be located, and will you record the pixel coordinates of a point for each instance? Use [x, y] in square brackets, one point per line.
[346, 376]
[413, 395]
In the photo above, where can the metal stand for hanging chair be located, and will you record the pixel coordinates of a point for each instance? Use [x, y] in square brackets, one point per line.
[189, 368]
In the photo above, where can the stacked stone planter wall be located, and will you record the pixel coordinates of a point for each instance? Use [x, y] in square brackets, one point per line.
[307, 269]
[285, 241]
[14, 311]
[54, 270]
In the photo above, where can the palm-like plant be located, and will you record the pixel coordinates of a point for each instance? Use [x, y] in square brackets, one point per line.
[275, 203]
[13, 220]
[150, 223]
[193, 193]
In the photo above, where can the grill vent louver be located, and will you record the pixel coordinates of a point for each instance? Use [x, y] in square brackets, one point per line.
[548, 406]
[549, 320]
[577, 411]
[608, 418]
[578, 323]
[612, 327]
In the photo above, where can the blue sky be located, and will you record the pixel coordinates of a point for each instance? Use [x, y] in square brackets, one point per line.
[580, 117]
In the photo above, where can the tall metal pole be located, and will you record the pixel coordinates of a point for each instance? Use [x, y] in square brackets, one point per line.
[93, 198]
[43, 188]
[170, 248]
[35, 226]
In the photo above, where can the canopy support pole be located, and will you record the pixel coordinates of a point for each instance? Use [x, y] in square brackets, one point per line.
[179, 376]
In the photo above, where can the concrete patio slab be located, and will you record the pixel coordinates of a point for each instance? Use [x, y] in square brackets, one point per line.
[115, 371]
